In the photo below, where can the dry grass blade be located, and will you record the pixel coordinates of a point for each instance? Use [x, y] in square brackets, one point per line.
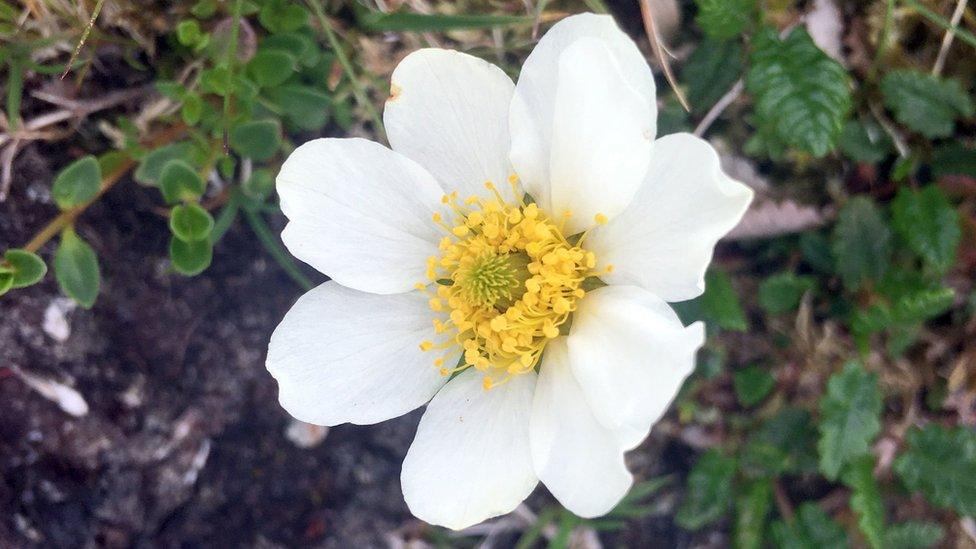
[659, 51]
[84, 37]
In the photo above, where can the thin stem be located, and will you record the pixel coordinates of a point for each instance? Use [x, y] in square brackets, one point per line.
[659, 51]
[235, 30]
[963, 34]
[84, 36]
[949, 35]
[358, 90]
[275, 249]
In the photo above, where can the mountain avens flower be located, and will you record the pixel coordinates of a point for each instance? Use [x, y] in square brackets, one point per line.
[508, 263]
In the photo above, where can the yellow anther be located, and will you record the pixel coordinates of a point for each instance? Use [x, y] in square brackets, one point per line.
[436, 305]
[600, 219]
[513, 178]
[437, 217]
[426, 345]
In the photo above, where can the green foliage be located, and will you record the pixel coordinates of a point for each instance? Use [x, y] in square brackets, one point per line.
[179, 181]
[954, 159]
[23, 269]
[782, 292]
[925, 103]
[271, 67]
[941, 464]
[866, 500]
[76, 269]
[802, 95]
[421, 22]
[861, 243]
[190, 222]
[720, 304]
[711, 70]
[709, 493]
[151, 168]
[190, 258]
[913, 535]
[78, 183]
[752, 384]
[256, 139]
[303, 107]
[722, 19]
[283, 16]
[929, 224]
[784, 443]
[811, 529]
[752, 510]
[864, 143]
[849, 418]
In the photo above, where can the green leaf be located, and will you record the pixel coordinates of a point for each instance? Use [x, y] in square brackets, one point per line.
[27, 267]
[929, 224]
[304, 106]
[271, 67]
[816, 251]
[722, 19]
[782, 292]
[179, 181]
[76, 269]
[709, 492]
[849, 418]
[953, 159]
[257, 139]
[422, 22]
[151, 167]
[6, 282]
[921, 305]
[861, 243]
[282, 16]
[941, 464]
[913, 535]
[752, 384]
[810, 529]
[192, 109]
[78, 183]
[752, 510]
[218, 80]
[260, 185]
[720, 304]
[300, 46]
[866, 500]
[864, 143]
[782, 444]
[190, 222]
[190, 258]
[925, 103]
[802, 95]
[710, 71]
[188, 33]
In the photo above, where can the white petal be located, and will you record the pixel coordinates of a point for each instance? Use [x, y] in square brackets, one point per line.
[602, 136]
[664, 240]
[359, 213]
[341, 356]
[533, 105]
[470, 460]
[577, 458]
[630, 354]
[449, 111]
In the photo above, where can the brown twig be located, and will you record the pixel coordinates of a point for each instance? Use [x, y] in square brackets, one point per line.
[659, 51]
[730, 96]
[84, 37]
[949, 36]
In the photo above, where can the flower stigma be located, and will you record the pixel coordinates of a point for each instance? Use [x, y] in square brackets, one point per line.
[506, 282]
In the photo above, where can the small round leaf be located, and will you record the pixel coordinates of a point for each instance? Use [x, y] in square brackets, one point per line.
[78, 183]
[271, 67]
[28, 268]
[179, 181]
[190, 258]
[76, 269]
[258, 139]
[190, 222]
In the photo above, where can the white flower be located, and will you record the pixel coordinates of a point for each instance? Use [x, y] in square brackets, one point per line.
[448, 286]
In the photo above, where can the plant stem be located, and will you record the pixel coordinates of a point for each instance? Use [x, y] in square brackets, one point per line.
[275, 249]
[358, 90]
